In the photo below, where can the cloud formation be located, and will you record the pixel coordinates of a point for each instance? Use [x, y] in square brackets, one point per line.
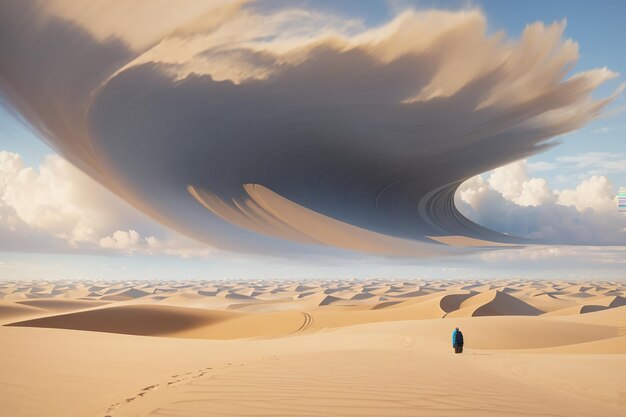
[584, 215]
[56, 207]
[366, 131]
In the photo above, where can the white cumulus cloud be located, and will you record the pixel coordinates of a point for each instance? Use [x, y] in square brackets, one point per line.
[510, 202]
[56, 198]
[130, 241]
[513, 183]
[595, 193]
[56, 206]
[123, 240]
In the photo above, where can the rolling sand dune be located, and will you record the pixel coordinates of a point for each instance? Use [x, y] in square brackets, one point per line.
[137, 319]
[327, 348]
[576, 309]
[548, 301]
[152, 320]
[62, 304]
[14, 311]
[494, 303]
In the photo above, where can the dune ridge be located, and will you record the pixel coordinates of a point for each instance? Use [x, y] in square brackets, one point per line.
[332, 348]
[242, 309]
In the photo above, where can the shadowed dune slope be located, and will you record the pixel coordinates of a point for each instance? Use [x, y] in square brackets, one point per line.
[240, 309]
[14, 310]
[169, 321]
[494, 303]
[145, 320]
[63, 305]
[181, 353]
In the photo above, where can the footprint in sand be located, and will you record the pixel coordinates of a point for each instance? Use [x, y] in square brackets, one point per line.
[203, 372]
[181, 378]
[110, 409]
[179, 375]
[145, 390]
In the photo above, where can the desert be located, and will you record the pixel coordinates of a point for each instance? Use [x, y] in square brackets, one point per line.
[312, 208]
[312, 348]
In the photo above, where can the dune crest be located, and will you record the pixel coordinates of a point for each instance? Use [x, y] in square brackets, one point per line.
[243, 309]
[494, 303]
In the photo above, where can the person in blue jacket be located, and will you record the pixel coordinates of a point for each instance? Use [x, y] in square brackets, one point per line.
[457, 340]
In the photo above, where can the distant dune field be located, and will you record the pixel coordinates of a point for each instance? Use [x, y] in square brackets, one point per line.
[314, 348]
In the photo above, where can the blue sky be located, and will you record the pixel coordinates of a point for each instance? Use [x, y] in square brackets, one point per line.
[597, 27]
[16, 136]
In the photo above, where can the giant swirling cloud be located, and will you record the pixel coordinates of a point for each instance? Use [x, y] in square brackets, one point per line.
[291, 130]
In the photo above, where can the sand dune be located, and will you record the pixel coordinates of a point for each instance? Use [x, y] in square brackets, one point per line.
[530, 332]
[494, 303]
[611, 346]
[548, 301]
[154, 320]
[173, 309]
[452, 302]
[397, 368]
[577, 309]
[319, 348]
[14, 311]
[610, 301]
[323, 383]
[145, 320]
[62, 304]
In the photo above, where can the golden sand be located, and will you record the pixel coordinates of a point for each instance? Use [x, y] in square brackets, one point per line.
[312, 348]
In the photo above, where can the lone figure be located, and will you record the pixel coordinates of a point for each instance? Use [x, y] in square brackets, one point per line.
[457, 340]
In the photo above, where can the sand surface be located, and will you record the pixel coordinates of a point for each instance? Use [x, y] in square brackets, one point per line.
[327, 348]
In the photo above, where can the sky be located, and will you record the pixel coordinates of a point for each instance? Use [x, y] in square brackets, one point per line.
[104, 196]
